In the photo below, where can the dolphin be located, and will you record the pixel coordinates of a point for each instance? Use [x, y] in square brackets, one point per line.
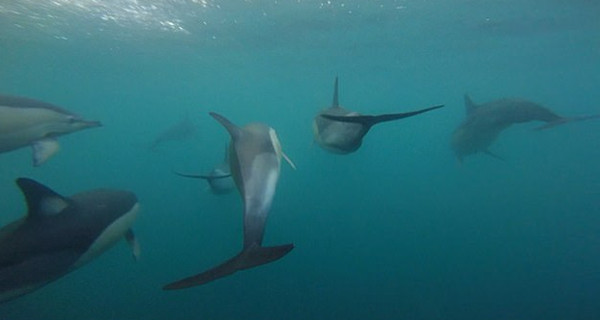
[183, 130]
[28, 122]
[341, 131]
[255, 157]
[219, 178]
[60, 234]
[485, 122]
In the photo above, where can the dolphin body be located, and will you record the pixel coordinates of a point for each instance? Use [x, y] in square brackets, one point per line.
[341, 131]
[485, 122]
[60, 234]
[183, 130]
[255, 157]
[28, 122]
[219, 178]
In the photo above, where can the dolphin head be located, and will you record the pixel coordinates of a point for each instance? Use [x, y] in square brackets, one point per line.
[64, 123]
[110, 212]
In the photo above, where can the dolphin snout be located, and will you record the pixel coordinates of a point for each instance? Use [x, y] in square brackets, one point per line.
[92, 124]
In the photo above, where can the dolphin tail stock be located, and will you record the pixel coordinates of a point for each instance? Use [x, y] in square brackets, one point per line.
[370, 121]
[562, 120]
[250, 257]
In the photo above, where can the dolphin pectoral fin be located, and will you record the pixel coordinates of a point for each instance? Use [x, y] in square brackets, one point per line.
[369, 121]
[133, 244]
[250, 257]
[493, 155]
[43, 150]
[288, 160]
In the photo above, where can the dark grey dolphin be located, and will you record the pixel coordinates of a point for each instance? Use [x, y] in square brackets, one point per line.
[60, 234]
[341, 131]
[485, 122]
[28, 122]
[255, 158]
[219, 178]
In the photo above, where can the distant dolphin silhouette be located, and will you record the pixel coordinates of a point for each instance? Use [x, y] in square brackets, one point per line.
[60, 234]
[219, 178]
[485, 122]
[183, 130]
[28, 122]
[341, 131]
[255, 157]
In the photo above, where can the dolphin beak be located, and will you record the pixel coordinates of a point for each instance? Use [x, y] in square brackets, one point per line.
[92, 124]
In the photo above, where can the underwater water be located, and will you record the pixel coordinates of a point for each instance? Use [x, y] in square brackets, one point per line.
[397, 230]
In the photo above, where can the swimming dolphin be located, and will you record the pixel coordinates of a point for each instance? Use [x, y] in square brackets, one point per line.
[219, 178]
[29, 122]
[183, 130]
[341, 131]
[60, 234]
[485, 122]
[255, 157]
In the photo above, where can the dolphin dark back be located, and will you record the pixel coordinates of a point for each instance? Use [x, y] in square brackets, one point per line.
[59, 234]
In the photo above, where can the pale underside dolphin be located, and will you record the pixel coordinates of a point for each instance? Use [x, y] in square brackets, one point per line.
[485, 122]
[219, 178]
[60, 234]
[255, 157]
[28, 122]
[341, 131]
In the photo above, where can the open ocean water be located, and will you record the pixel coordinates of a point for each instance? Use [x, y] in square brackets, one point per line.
[397, 230]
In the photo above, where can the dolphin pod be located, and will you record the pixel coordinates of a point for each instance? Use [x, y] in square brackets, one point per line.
[255, 158]
[341, 131]
[484, 122]
[28, 122]
[60, 234]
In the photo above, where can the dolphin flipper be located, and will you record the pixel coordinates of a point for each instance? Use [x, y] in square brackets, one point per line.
[370, 121]
[43, 150]
[133, 244]
[250, 257]
[493, 155]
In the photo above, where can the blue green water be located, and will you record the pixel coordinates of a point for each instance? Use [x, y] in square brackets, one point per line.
[397, 230]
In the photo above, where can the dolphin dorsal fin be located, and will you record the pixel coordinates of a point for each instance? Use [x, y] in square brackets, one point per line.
[233, 130]
[470, 106]
[336, 102]
[41, 200]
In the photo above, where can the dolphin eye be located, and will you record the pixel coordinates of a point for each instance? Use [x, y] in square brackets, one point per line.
[71, 119]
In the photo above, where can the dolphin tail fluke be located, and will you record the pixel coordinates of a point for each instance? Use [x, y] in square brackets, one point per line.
[202, 176]
[249, 258]
[370, 121]
[567, 120]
